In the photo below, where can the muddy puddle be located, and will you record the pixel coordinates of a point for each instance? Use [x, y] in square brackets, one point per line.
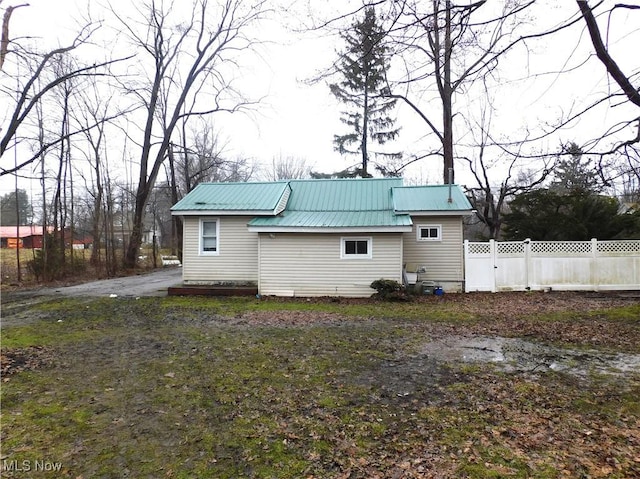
[514, 354]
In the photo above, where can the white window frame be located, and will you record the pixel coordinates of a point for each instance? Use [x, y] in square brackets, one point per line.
[422, 227]
[201, 237]
[343, 247]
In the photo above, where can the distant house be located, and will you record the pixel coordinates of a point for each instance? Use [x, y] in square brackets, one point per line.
[29, 236]
[80, 241]
[322, 237]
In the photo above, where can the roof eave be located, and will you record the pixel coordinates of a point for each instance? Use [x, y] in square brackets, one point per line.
[330, 229]
[223, 212]
[464, 212]
[273, 208]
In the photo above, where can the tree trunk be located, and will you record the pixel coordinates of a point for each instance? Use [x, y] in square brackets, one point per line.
[96, 230]
[19, 279]
[45, 242]
[176, 221]
[447, 100]
[71, 207]
[110, 231]
[365, 127]
[135, 239]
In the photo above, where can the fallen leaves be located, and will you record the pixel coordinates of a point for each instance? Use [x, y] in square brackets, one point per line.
[24, 359]
[326, 396]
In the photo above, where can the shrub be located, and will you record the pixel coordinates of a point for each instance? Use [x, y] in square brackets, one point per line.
[54, 264]
[389, 289]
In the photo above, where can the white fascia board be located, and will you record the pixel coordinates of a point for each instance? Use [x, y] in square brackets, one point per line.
[436, 213]
[283, 201]
[350, 229]
[224, 213]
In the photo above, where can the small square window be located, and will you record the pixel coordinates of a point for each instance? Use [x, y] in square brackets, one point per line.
[355, 248]
[429, 233]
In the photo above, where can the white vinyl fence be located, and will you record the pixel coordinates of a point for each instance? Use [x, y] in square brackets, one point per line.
[557, 265]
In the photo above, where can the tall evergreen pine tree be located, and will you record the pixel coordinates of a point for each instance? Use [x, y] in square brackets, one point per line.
[363, 66]
[574, 172]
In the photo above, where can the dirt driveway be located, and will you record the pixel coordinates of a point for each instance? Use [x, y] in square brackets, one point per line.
[154, 283]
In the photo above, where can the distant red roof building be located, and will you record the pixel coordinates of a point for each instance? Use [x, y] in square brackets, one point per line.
[28, 236]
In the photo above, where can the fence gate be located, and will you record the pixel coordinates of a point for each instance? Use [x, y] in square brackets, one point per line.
[562, 265]
[479, 263]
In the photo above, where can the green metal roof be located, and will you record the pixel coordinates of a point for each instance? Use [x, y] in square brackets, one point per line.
[257, 198]
[375, 203]
[354, 194]
[430, 199]
[333, 219]
[338, 203]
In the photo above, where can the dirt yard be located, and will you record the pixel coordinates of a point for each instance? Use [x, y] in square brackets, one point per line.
[528, 385]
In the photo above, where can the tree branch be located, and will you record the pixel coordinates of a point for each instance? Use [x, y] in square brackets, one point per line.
[57, 141]
[419, 112]
[4, 40]
[601, 51]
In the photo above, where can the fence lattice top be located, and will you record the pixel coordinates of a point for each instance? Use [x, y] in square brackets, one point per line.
[568, 248]
[632, 246]
[510, 248]
[565, 247]
[479, 248]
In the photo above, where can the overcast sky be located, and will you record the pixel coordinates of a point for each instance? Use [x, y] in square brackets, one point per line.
[298, 119]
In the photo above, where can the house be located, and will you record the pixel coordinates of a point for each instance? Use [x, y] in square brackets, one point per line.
[31, 237]
[322, 237]
[25, 236]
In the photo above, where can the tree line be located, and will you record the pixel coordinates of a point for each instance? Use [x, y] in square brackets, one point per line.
[448, 48]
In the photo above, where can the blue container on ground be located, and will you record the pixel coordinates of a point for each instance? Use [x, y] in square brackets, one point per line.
[438, 291]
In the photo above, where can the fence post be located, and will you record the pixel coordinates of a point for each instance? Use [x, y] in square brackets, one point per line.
[465, 262]
[494, 261]
[527, 263]
[593, 265]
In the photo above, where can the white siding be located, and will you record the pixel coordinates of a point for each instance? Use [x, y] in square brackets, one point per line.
[443, 260]
[309, 265]
[237, 260]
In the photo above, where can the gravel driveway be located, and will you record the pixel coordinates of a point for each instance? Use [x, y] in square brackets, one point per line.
[154, 283]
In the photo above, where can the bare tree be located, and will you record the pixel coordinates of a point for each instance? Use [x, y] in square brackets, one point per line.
[488, 197]
[60, 205]
[182, 55]
[628, 147]
[4, 37]
[615, 144]
[29, 71]
[447, 49]
[92, 109]
[201, 157]
[287, 168]
[632, 92]
[630, 177]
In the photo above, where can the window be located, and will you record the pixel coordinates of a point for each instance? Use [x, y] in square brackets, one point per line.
[355, 248]
[209, 229]
[429, 233]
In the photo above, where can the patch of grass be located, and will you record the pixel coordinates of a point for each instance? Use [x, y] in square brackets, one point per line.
[151, 388]
[433, 311]
[629, 313]
[72, 320]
